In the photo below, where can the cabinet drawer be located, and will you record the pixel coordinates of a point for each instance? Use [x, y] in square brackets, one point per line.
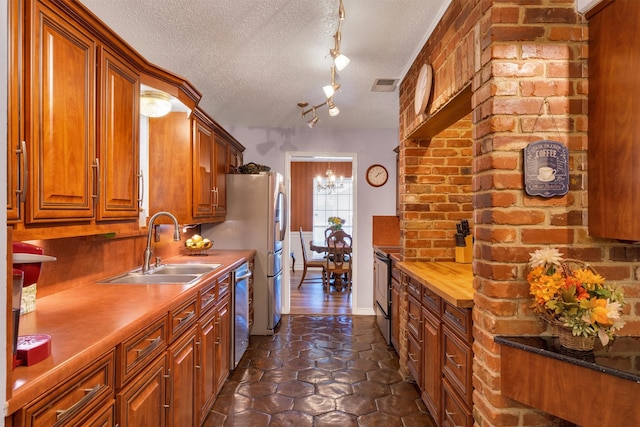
[454, 412]
[431, 301]
[75, 399]
[414, 320]
[136, 352]
[223, 286]
[395, 272]
[457, 363]
[414, 288]
[459, 319]
[207, 297]
[183, 317]
[414, 359]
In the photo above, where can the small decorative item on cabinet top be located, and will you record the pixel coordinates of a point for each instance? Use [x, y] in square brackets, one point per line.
[574, 299]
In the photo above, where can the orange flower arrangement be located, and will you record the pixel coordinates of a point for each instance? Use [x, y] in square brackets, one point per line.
[577, 298]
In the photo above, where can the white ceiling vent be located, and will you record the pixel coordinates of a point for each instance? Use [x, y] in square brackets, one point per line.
[384, 85]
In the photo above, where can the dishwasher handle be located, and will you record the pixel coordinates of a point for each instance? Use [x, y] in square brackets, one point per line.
[244, 275]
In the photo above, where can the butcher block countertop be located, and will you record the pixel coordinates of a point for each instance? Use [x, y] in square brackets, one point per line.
[89, 320]
[451, 281]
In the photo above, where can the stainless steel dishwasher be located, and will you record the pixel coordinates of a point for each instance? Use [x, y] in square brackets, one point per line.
[240, 313]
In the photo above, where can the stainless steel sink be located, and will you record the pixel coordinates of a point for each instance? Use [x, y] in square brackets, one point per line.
[136, 278]
[168, 273]
[184, 269]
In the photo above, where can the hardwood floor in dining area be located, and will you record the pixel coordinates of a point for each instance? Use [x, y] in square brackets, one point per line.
[310, 299]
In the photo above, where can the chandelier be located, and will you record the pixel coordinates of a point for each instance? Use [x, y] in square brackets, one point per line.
[331, 183]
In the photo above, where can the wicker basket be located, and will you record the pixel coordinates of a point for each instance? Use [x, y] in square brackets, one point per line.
[568, 340]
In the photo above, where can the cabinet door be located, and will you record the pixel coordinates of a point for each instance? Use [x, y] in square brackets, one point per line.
[15, 112]
[223, 331]
[143, 402]
[431, 363]
[182, 365]
[203, 171]
[220, 189]
[207, 381]
[234, 156]
[395, 314]
[118, 140]
[61, 111]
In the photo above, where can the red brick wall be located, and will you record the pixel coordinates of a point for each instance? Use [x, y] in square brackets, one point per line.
[527, 64]
[435, 191]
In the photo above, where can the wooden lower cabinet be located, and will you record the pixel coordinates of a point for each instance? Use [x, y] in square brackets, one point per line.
[206, 380]
[73, 402]
[168, 373]
[395, 312]
[143, 402]
[439, 354]
[223, 335]
[182, 367]
[431, 365]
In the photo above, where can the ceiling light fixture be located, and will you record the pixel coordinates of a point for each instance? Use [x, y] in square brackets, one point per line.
[340, 62]
[333, 110]
[331, 89]
[154, 104]
[339, 59]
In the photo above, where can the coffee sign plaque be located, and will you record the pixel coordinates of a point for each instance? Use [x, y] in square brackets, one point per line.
[546, 171]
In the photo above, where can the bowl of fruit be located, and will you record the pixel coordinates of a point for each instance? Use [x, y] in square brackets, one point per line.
[198, 245]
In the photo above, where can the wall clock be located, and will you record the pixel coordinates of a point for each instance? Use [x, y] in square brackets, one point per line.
[423, 89]
[377, 175]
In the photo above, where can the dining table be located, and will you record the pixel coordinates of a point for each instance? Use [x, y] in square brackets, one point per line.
[322, 247]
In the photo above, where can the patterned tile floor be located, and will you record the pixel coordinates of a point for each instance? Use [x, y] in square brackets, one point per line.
[319, 371]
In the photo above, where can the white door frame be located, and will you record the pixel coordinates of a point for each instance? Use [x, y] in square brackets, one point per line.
[320, 156]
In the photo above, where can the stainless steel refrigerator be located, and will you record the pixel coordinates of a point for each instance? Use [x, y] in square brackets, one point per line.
[257, 219]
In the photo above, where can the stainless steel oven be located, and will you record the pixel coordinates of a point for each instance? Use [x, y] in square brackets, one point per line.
[382, 291]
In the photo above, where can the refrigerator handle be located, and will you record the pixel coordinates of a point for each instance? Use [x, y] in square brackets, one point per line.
[285, 216]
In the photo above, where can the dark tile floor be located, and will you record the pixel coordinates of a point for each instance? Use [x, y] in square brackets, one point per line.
[319, 371]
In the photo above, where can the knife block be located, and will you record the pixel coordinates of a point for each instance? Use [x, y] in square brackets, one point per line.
[464, 254]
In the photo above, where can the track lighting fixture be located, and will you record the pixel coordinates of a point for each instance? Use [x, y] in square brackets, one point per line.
[333, 110]
[311, 123]
[331, 89]
[340, 62]
[339, 59]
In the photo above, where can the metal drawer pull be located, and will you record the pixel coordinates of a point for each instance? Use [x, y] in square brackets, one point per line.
[449, 416]
[450, 359]
[411, 357]
[186, 316]
[152, 342]
[91, 392]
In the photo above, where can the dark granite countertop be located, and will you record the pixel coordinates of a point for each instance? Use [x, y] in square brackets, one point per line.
[622, 358]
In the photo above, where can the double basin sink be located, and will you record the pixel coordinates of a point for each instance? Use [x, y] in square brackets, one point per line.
[166, 273]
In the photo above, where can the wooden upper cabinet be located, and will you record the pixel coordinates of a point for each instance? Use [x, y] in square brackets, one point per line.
[118, 138]
[614, 104]
[61, 106]
[204, 167]
[220, 183]
[15, 136]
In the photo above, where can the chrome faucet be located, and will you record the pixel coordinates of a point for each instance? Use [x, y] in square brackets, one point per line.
[147, 252]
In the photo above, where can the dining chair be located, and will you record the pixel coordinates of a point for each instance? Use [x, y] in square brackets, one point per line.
[314, 263]
[338, 262]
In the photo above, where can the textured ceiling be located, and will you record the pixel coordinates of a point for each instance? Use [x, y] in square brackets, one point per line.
[254, 60]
